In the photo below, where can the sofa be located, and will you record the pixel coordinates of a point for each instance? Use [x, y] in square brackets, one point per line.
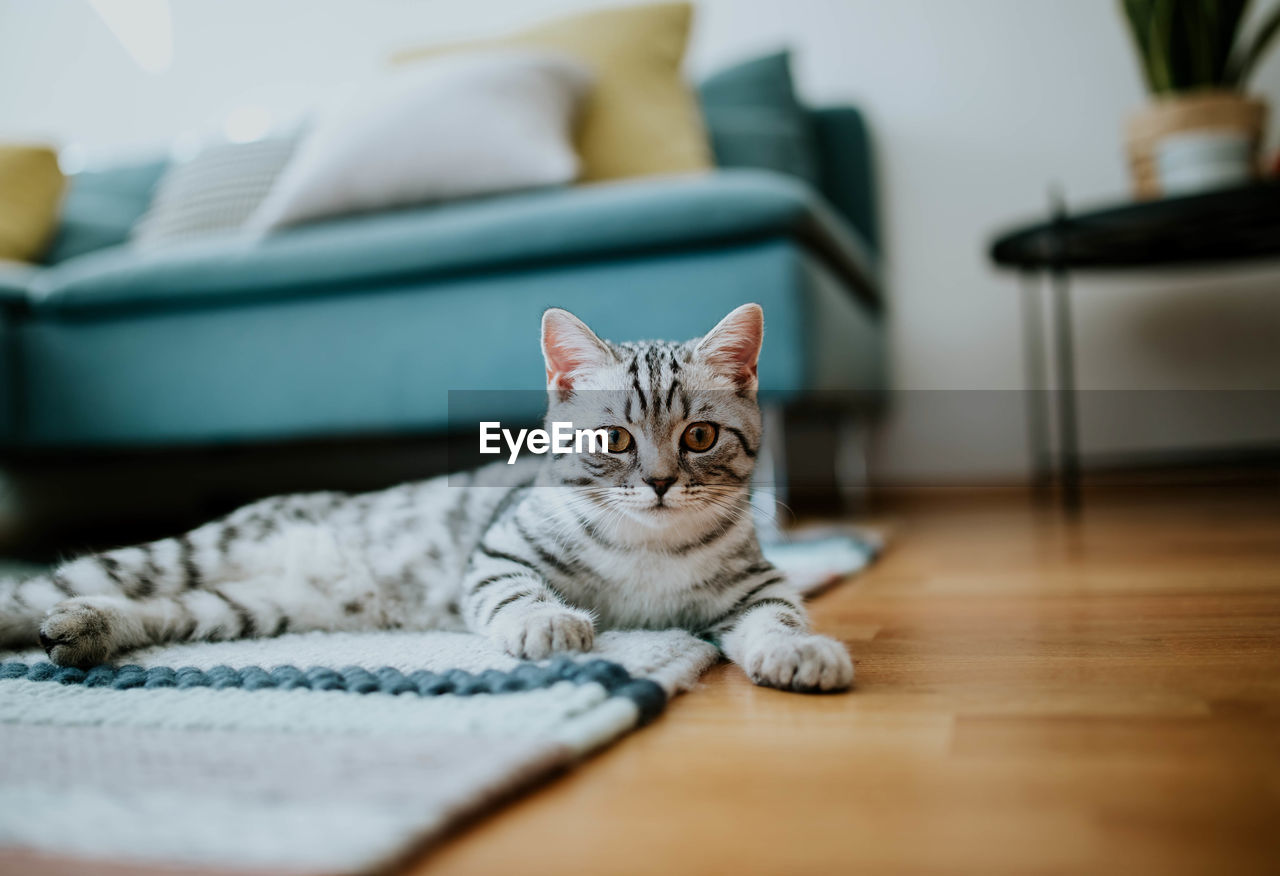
[361, 326]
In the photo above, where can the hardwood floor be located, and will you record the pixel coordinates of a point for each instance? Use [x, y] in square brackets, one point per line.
[1032, 697]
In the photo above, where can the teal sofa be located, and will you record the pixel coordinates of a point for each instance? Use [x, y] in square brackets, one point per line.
[360, 327]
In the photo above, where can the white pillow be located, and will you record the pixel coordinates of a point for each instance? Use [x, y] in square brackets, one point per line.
[457, 126]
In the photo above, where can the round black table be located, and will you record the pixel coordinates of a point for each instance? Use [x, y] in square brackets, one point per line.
[1224, 226]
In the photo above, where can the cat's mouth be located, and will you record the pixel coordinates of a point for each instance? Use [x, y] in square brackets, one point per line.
[658, 511]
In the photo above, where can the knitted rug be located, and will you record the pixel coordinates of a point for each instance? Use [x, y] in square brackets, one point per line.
[333, 752]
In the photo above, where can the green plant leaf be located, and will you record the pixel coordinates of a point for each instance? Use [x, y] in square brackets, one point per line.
[1190, 44]
[1138, 13]
[1163, 57]
[1230, 16]
[1196, 36]
[1247, 57]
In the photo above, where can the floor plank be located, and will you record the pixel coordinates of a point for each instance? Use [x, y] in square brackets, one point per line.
[1033, 696]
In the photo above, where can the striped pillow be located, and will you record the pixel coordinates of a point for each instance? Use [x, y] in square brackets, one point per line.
[214, 192]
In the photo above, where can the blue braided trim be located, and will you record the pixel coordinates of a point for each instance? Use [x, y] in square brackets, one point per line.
[648, 696]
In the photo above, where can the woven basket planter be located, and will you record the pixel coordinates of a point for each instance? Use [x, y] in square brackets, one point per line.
[1198, 111]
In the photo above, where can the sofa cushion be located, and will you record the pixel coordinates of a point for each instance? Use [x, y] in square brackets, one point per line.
[584, 223]
[464, 125]
[641, 117]
[848, 168]
[755, 119]
[216, 190]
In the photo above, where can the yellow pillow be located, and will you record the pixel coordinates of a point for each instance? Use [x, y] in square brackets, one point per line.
[640, 118]
[30, 192]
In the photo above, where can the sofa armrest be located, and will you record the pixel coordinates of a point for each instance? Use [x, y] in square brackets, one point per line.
[848, 168]
[13, 299]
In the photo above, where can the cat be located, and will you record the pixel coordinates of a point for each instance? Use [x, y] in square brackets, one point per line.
[653, 531]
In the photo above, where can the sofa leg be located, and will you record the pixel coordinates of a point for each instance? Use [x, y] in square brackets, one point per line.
[852, 470]
[769, 490]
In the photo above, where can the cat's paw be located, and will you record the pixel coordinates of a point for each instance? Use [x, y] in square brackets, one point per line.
[541, 629]
[799, 662]
[81, 632]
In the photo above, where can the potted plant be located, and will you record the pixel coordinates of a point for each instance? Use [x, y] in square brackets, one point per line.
[1201, 129]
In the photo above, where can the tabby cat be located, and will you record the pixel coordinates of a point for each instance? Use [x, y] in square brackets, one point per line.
[655, 531]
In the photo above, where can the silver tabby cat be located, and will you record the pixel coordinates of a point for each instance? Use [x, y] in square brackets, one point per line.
[655, 531]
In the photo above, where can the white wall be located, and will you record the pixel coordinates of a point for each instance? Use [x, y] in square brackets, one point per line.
[977, 106]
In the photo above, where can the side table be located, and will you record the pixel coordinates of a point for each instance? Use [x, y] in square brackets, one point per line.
[1231, 225]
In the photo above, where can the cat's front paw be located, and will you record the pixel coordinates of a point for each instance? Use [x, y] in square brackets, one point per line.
[80, 632]
[799, 662]
[541, 629]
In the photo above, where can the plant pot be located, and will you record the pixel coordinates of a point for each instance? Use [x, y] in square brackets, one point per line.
[1221, 113]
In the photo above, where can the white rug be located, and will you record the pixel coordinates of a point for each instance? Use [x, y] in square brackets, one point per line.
[331, 752]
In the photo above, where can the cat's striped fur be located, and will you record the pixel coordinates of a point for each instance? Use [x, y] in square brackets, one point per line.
[537, 556]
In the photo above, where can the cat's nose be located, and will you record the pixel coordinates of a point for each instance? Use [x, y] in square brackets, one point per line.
[660, 485]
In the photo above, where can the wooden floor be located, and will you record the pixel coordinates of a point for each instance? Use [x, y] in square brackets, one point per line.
[1032, 697]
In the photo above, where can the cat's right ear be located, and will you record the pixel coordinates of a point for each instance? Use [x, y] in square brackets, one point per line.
[569, 348]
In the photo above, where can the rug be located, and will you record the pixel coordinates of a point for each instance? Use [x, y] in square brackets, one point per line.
[321, 752]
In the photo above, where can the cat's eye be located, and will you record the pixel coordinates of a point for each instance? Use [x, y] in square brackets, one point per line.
[619, 439]
[699, 437]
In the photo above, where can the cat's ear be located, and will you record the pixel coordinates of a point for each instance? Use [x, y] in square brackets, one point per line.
[733, 346]
[569, 348]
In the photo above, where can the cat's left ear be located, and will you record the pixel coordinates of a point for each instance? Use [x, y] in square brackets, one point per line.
[733, 346]
[569, 348]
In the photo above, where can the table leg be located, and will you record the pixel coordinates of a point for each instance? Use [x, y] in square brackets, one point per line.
[1068, 438]
[1035, 395]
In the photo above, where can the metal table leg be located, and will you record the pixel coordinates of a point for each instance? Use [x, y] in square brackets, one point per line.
[1065, 383]
[1035, 395]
